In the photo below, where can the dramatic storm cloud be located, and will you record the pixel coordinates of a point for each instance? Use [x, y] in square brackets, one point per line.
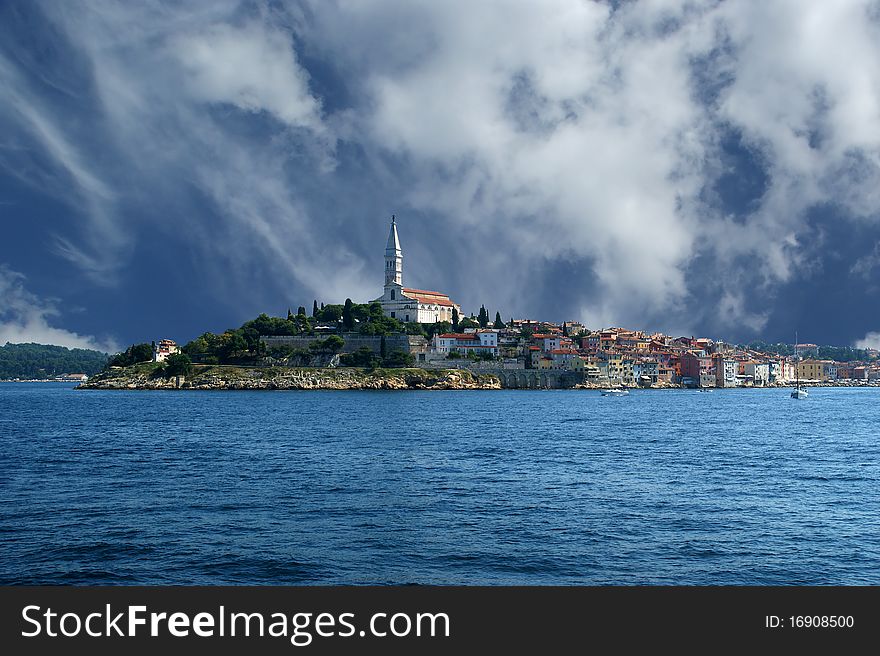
[696, 167]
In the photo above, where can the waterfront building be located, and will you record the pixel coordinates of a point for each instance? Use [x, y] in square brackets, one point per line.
[406, 303]
[757, 372]
[646, 372]
[694, 365]
[479, 341]
[725, 371]
[821, 370]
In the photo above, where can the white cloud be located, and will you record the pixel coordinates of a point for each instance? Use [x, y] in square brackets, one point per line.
[870, 341]
[537, 132]
[26, 318]
[253, 67]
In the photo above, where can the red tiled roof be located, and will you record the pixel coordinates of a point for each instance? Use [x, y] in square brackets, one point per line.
[459, 336]
[424, 291]
[428, 298]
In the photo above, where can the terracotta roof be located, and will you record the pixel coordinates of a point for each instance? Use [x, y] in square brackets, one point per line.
[428, 298]
[470, 336]
[425, 291]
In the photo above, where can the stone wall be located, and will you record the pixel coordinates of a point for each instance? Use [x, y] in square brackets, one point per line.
[353, 341]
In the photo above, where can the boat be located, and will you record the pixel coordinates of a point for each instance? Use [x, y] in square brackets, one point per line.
[705, 389]
[797, 392]
[615, 391]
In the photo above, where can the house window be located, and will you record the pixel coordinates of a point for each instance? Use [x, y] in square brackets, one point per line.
[392, 315]
[392, 298]
[407, 318]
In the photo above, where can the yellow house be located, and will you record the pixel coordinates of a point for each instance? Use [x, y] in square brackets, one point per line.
[817, 370]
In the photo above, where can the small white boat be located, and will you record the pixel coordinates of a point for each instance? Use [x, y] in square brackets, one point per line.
[799, 393]
[616, 391]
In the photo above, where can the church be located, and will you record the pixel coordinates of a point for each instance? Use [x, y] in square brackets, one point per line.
[405, 303]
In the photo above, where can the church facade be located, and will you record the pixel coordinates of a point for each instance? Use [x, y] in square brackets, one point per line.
[406, 303]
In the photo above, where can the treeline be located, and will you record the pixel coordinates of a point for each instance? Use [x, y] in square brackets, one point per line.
[837, 353]
[242, 345]
[239, 345]
[44, 361]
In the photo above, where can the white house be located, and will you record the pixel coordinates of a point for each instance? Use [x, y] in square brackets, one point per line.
[479, 341]
[163, 349]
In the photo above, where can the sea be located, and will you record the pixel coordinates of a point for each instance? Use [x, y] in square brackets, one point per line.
[513, 487]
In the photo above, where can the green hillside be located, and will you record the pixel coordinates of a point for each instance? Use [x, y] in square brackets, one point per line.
[44, 361]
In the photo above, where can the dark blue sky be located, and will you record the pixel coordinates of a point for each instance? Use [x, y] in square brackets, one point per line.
[707, 168]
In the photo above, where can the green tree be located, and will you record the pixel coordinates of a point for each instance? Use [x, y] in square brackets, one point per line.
[454, 320]
[178, 364]
[330, 313]
[467, 322]
[363, 357]
[132, 355]
[438, 328]
[347, 315]
[315, 309]
[498, 322]
[414, 328]
[333, 344]
[483, 317]
[289, 315]
[398, 358]
[301, 311]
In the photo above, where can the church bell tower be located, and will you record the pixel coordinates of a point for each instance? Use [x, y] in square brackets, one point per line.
[393, 258]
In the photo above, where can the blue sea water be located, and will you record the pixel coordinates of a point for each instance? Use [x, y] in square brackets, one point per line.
[488, 487]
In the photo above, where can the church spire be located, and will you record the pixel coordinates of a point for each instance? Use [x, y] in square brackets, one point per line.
[393, 257]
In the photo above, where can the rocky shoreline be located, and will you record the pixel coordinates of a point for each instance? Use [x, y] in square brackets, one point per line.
[215, 377]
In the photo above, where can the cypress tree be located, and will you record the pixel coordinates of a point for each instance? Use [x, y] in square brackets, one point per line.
[301, 310]
[454, 319]
[289, 315]
[315, 308]
[347, 317]
[483, 317]
[498, 322]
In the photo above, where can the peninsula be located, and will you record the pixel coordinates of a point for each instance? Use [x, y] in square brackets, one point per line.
[411, 338]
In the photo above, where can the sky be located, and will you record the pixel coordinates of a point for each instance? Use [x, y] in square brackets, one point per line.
[693, 167]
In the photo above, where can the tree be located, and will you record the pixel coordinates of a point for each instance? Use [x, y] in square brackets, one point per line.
[347, 316]
[564, 329]
[363, 357]
[439, 328]
[399, 358]
[454, 320]
[315, 309]
[467, 322]
[330, 313]
[289, 315]
[132, 355]
[415, 328]
[498, 322]
[333, 344]
[178, 364]
[483, 317]
[301, 311]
